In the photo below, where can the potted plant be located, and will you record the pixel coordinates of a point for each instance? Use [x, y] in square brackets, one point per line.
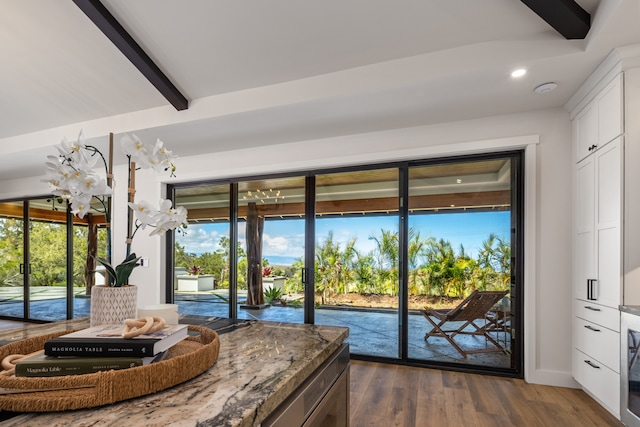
[271, 280]
[72, 176]
[273, 295]
[194, 270]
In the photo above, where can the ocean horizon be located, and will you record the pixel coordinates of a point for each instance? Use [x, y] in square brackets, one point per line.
[280, 260]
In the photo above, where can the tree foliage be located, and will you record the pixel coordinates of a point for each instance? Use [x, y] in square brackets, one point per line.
[435, 267]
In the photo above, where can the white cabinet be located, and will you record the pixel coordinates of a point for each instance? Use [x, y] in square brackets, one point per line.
[600, 121]
[598, 273]
[596, 352]
[598, 226]
[598, 380]
[598, 132]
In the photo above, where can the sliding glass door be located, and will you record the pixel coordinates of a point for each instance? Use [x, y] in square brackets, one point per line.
[459, 247]
[243, 253]
[201, 275]
[271, 231]
[12, 266]
[357, 257]
[35, 270]
[398, 253]
[46, 271]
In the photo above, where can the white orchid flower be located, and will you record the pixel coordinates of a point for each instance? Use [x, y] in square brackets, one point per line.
[164, 157]
[95, 185]
[160, 229]
[156, 163]
[68, 149]
[134, 147]
[145, 212]
[178, 216]
[72, 176]
[81, 205]
[165, 206]
[161, 220]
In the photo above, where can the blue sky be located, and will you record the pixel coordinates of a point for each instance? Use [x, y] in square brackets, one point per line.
[286, 238]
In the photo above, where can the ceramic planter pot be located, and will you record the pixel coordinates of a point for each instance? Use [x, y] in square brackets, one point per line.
[113, 305]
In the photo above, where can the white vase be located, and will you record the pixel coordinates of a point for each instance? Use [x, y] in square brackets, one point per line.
[113, 305]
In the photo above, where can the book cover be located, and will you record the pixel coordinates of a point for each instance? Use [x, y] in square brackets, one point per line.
[107, 341]
[41, 365]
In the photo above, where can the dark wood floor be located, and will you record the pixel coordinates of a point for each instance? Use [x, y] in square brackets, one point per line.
[11, 324]
[390, 395]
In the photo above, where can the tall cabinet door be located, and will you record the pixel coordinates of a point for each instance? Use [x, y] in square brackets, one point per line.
[598, 226]
[585, 241]
[609, 174]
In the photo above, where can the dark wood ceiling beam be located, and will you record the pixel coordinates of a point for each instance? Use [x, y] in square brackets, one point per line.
[106, 22]
[565, 16]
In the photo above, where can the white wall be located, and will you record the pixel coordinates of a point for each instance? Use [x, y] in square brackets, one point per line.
[548, 210]
[631, 191]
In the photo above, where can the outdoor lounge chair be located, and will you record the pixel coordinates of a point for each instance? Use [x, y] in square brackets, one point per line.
[474, 307]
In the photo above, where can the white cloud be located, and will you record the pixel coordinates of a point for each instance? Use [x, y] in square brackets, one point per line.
[199, 239]
[291, 245]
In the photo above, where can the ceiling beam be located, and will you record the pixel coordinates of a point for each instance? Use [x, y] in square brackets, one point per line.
[106, 22]
[565, 16]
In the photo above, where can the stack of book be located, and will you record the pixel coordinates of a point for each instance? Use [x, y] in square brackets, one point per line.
[99, 348]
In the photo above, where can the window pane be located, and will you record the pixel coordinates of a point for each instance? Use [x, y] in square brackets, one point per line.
[459, 242]
[356, 265]
[201, 274]
[47, 260]
[271, 232]
[11, 260]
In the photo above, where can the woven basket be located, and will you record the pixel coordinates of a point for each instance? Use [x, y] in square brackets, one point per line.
[186, 360]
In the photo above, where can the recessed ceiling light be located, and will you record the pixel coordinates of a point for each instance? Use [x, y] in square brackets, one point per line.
[519, 72]
[545, 87]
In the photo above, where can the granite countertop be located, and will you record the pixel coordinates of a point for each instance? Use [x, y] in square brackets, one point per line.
[631, 309]
[260, 364]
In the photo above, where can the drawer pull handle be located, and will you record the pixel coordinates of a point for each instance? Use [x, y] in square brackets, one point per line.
[591, 328]
[590, 363]
[588, 307]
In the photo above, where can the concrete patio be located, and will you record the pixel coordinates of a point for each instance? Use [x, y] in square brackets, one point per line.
[371, 332]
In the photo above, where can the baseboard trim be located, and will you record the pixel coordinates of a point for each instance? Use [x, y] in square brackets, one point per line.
[553, 378]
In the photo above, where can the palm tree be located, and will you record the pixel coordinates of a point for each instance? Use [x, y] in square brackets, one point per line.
[327, 267]
[347, 261]
[439, 261]
[387, 254]
[363, 272]
[494, 263]
[415, 250]
[503, 258]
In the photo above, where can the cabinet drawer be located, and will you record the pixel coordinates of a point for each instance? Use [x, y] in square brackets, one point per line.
[598, 314]
[598, 342]
[600, 381]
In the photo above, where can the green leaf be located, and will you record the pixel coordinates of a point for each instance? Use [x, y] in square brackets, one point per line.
[110, 270]
[120, 275]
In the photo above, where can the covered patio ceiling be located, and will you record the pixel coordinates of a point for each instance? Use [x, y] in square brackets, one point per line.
[478, 185]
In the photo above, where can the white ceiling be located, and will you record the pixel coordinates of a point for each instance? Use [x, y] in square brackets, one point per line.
[280, 71]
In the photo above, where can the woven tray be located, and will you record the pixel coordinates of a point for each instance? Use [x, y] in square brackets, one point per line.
[186, 360]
